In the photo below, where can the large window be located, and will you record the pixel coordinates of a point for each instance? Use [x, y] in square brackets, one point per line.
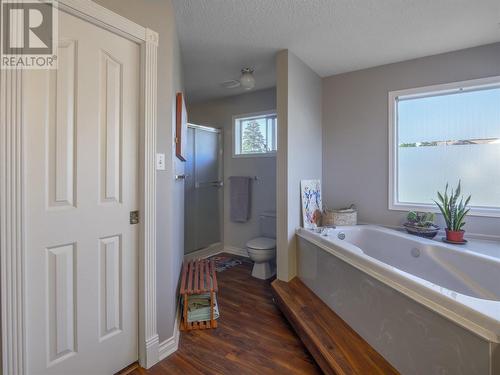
[255, 135]
[443, 134]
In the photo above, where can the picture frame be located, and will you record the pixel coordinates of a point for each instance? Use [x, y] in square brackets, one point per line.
[180, 126]
[310, 193]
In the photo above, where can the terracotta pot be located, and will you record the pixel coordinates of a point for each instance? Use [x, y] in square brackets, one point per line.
[455, 235]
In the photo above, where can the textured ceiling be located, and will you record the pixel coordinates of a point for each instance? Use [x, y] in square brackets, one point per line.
[219, 37]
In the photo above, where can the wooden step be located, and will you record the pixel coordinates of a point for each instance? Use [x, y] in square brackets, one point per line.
[335, 346]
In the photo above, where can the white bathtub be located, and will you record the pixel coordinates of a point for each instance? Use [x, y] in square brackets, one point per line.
[460, 283]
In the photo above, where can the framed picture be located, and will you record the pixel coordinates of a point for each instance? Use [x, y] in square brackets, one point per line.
[180, 126]
[310, 191]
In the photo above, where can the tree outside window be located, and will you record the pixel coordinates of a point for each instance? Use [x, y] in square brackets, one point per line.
[253, 139]
[255, 135]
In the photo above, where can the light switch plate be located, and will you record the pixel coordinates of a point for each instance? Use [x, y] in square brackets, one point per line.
[160, 162]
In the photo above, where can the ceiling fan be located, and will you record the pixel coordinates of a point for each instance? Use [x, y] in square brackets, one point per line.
[246, 80]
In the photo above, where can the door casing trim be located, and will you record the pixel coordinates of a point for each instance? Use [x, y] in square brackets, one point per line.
[13, 193]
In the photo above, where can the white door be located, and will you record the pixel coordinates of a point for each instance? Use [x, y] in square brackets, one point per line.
[82, 144]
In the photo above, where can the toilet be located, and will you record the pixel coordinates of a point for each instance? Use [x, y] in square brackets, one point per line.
[262, 250]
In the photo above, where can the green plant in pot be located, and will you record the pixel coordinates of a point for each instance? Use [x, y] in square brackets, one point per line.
[454, 208]
[421, 224]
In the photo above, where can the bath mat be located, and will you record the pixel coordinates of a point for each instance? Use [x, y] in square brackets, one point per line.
[223, 263]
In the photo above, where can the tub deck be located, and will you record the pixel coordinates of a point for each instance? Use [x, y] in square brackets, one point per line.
[335, 346]
[460, 283]
[423, 305]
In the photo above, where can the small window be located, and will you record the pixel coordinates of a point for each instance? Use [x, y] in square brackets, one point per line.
[443, 134]
[255, 135]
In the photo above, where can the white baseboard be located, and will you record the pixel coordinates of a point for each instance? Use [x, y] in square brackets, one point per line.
[214, 250]
[236, 251]
[152, 350]
[170, 345]
[206, 252]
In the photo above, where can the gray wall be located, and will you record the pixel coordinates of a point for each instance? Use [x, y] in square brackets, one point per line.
[219, 113]
[159, 16]
[299, 149]
[355, 128]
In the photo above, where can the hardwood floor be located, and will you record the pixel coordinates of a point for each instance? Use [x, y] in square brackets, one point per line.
[252, 338]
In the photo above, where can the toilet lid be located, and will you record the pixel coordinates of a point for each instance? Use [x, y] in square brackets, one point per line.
[262, 243]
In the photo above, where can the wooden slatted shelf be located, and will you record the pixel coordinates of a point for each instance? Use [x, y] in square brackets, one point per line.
[335, 346]
[198, 277]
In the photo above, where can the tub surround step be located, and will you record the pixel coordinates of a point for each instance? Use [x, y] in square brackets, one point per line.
[335, 346]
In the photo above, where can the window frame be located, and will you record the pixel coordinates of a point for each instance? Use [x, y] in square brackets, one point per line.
[236, 118]
[422, 92]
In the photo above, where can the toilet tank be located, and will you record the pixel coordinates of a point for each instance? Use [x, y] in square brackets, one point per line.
[267, 224]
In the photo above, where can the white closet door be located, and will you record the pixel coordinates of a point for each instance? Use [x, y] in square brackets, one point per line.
[82, 140]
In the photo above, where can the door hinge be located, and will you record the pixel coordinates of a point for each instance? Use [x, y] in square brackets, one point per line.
[134, 217]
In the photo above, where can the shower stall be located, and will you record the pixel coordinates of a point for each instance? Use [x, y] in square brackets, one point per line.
[203, 188]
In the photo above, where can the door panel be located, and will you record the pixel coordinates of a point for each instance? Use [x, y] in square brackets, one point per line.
[203, 189]
[207, 175]
[61, 301]
[61, 128]
[110, 127]
[110, 286]
[190, 242]
[82, 149]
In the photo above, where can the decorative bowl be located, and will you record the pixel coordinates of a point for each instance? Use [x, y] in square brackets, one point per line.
[426, 232]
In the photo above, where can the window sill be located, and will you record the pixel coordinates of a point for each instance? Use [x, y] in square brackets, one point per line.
[266, 155]
[474, 211]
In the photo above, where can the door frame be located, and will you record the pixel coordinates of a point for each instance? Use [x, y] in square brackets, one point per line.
[13, 193]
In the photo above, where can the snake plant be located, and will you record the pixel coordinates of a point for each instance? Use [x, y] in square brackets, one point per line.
[453, 207]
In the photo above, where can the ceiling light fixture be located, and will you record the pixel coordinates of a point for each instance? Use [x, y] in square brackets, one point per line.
[231, 84]
[247, 79]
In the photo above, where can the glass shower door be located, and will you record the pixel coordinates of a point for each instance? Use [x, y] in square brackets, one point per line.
[203, 188]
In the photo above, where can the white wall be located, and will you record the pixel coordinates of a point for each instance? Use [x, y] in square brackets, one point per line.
[299, 149]
[219, 113]
[159, 16]
[355, 128]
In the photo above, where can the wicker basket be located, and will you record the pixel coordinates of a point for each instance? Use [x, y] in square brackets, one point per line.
[344, 216]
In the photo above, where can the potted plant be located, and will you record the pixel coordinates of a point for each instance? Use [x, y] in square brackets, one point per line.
[454, 208]
[421, 224]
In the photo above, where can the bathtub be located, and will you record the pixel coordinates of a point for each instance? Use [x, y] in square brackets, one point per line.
[411, 298]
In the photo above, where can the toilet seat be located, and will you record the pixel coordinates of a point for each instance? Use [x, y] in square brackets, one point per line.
[262, 243]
